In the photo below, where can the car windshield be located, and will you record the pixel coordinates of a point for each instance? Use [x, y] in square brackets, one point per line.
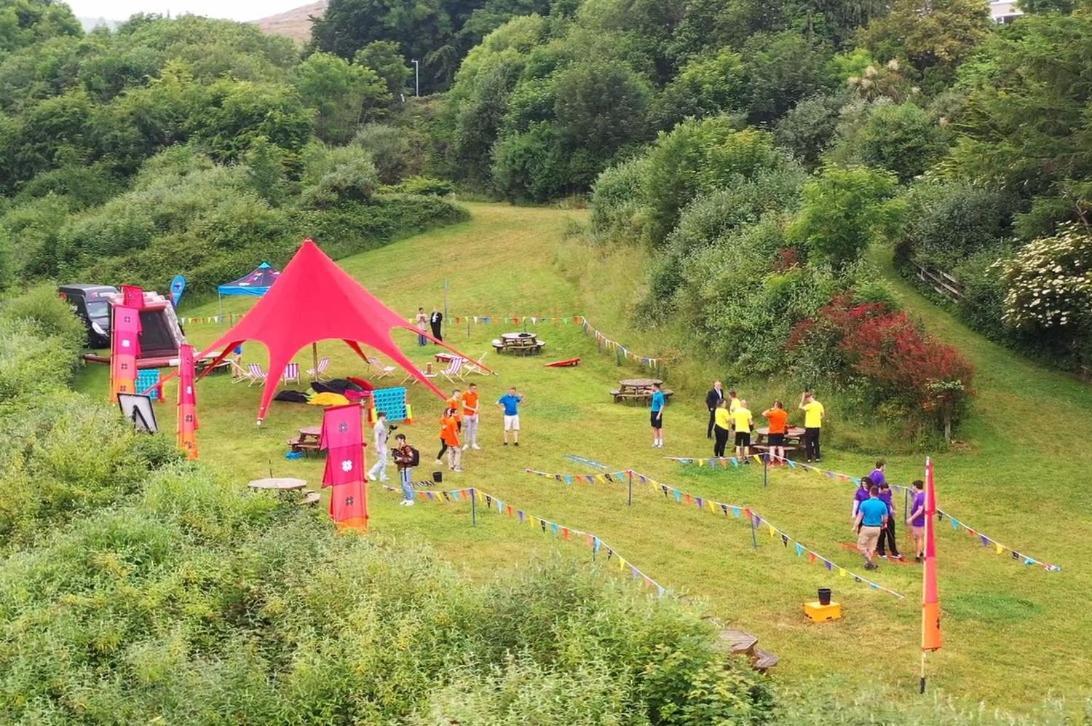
[99, 309]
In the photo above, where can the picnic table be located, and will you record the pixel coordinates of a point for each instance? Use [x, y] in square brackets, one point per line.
[519, 344]
[278, 484]
[637, 389]
[307, 439]
[794, 434]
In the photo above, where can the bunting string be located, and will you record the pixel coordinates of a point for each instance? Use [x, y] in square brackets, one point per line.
[546, 526]
[621, 352]
[956, 524]
[705, 504]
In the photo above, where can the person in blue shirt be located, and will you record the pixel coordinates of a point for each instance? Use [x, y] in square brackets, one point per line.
[871, 518]
[510, 403]
[657, 417]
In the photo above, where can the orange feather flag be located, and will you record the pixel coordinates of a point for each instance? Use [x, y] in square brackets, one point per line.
[930, 597]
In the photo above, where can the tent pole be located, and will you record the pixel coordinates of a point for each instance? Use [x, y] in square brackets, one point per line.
[314, 361]
[221, 304]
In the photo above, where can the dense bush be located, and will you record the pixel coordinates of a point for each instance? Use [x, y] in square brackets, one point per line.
[1048, 290]
[41, 339]
[901, 138]
[887, 357]
[944, 223]
[843, 210]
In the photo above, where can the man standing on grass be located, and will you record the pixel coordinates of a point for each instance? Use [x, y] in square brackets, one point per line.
[916, 520]
[380, 431]
[879, 474]
[813, 422]
[470, 417]
[778, 419]
[887, 534]
[510, 402]
[743, 421]
[657, 416]
[436, 320]
[871, 518]
[422, 321]
[405, 458]
[712, 400]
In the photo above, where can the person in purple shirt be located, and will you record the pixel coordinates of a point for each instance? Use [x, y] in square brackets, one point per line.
[878, 474]
[887, 534]
[859, 496]
[916, 519]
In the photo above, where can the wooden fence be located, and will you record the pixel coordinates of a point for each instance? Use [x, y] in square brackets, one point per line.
[943, 283]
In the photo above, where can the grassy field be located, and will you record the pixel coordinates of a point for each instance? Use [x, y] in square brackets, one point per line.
[1013, 635]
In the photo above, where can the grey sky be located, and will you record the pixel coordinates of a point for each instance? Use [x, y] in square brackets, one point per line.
[233, 9]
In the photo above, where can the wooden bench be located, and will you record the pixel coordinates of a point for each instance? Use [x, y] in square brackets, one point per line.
[742, 643]
[763, 660]
[310, 499]
[303, 446]
[642, 397]
[739, 642]
[532, 346]
[766, 448]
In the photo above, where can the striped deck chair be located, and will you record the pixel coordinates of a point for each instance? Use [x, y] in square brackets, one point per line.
[477, 366]
[319, 373]
[380, 369]
[454, 371]
[255, 373]
[291, 373]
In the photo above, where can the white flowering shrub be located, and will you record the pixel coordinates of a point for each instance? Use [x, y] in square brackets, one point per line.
[1048, 287]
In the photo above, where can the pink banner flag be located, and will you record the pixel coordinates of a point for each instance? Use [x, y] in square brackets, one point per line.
[342, 438]
[125, 341]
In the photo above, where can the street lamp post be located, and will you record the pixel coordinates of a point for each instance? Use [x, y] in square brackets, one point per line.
[416, 77]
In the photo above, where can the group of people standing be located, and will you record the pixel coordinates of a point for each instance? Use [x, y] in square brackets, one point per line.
[873, 516]
[458, 433]
[730, 415]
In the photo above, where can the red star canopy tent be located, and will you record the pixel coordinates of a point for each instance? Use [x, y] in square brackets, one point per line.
[313, 300]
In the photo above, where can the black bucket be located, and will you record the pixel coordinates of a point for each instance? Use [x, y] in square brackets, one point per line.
[438, 477]
[824, 596]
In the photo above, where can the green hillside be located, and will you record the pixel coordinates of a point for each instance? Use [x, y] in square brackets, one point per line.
[1013, 634]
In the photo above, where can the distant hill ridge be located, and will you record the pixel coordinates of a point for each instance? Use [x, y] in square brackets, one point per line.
[294, 23]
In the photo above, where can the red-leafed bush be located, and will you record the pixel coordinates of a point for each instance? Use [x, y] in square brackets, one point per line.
[889, 354]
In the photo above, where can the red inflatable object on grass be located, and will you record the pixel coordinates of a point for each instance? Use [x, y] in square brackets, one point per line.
[567, 363]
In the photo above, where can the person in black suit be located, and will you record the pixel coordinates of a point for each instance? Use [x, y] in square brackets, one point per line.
[712, 399]
[436, 321]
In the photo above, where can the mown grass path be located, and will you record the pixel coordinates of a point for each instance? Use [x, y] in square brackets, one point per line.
[1013, 634]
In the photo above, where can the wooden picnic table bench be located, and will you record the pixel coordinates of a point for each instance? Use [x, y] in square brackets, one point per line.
[306, 440]
[519, 344]
[637, 389]
[794, 434]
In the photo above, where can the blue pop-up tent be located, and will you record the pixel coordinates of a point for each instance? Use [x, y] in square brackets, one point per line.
[256, 283]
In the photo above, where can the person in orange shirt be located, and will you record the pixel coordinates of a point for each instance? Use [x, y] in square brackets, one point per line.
[456, 403]
[470, 417]
[449, 441]
[778, 418]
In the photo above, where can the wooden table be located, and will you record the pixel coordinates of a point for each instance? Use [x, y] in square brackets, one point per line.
[307, 440]
[637, 389]
[519, 344]
[278, 484]
[794, 433]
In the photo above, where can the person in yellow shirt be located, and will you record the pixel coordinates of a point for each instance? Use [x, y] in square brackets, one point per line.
[744, 422]
[813, 423]
[722, 422]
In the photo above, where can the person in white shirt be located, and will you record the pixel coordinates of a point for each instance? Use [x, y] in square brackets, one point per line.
[381, 432]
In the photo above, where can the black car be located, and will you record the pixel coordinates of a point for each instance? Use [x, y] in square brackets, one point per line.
[90, 303]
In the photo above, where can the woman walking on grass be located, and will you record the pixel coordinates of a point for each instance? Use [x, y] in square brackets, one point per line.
[449, 442]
